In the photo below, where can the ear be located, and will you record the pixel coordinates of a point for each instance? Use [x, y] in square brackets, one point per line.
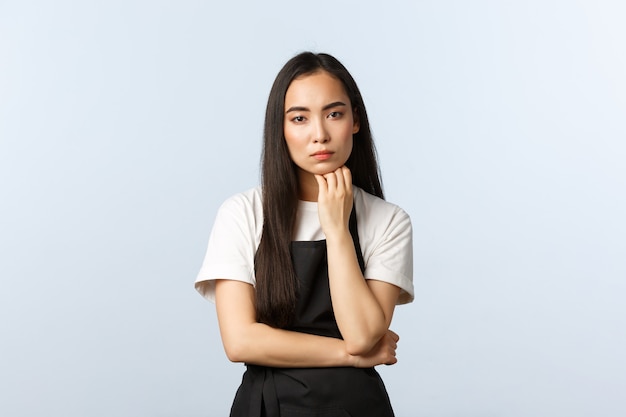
[356, 125]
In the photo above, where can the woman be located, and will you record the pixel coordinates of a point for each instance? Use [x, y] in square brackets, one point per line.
[306, 270]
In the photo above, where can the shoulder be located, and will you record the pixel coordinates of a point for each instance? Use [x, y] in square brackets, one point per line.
[375, 211]
[248, 199]
[240, 219]
[244, 206]
[380, 222]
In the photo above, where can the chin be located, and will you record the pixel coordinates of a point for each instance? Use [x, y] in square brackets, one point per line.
[328, 170]
[322, 169]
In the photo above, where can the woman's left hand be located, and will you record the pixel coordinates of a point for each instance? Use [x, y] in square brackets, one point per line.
[334, 200]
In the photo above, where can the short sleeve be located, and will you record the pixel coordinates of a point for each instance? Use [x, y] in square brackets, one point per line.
[391, 259]
[386, 238]
[232, 243]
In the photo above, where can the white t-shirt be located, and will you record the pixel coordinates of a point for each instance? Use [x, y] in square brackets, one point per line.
[385, 236]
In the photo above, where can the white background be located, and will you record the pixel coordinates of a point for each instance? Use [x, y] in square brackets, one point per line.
[500, 127]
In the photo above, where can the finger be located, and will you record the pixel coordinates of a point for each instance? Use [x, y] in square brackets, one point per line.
[341, 182]
[321, 183]
[331, 180]
[337, 174]
[393, 335]
[347, 177]
[344, 180]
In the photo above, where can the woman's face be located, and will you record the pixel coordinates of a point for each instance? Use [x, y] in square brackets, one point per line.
[318, 123]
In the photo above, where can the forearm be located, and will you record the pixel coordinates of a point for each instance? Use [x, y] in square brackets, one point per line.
[246, 340]
[358, 313]
[260, 344]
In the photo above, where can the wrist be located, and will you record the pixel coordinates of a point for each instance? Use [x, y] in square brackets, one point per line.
[338, 237]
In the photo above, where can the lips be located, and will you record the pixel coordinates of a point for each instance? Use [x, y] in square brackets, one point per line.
[322, 155]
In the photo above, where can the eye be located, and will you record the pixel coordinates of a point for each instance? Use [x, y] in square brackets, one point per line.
[334, 114]
[298, 119]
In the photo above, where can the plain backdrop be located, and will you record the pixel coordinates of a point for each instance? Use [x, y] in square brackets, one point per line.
[501, 130]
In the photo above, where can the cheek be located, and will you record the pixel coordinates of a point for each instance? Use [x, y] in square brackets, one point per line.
[289, 136]
[350, 147]
[293, 143]
[347, 135]
[347, 128]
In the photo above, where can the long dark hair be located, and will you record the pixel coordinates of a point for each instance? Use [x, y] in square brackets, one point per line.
[276, 283]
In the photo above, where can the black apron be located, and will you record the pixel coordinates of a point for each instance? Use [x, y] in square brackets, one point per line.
[313, 392]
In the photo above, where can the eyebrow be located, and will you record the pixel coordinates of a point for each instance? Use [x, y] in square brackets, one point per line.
[326, 107]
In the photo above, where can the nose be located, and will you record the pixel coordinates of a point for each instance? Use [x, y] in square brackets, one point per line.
[320, 134]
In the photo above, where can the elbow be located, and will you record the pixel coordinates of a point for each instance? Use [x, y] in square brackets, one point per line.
[241, 344]
[235, 352]
[233, 355]
[364, 342]
[360, 347]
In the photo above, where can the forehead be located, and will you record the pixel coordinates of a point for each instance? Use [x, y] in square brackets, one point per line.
[318, 88]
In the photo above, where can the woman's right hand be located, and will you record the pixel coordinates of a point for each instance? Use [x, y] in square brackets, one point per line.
[384, 352]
